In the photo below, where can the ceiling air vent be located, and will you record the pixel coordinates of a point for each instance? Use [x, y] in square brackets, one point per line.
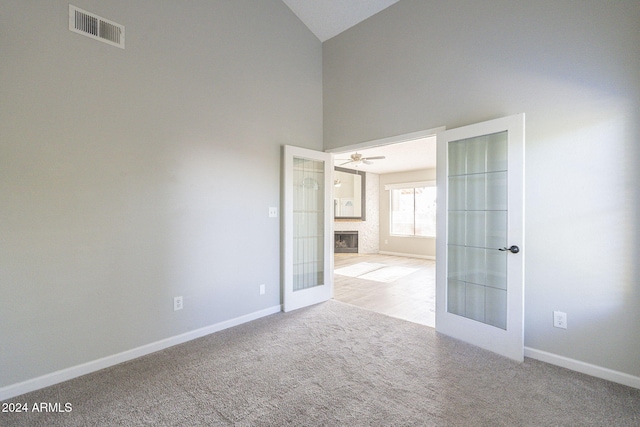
[91, 25]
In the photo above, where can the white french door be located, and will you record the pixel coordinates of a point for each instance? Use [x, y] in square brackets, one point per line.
[307, 218]
[480, 260]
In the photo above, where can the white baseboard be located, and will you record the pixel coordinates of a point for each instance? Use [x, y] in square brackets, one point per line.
[407, 255]
[27, 386]
[582, 367]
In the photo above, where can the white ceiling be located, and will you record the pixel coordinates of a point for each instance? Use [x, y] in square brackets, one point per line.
[400, 157]
[328, 18]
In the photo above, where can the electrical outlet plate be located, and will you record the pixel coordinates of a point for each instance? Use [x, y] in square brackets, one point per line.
[262, 289]
[273, 212]
[560, 319]
[177, 303]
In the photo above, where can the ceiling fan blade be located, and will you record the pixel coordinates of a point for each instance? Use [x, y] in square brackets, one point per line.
[342, 164]
[367, 162]
[374, 158]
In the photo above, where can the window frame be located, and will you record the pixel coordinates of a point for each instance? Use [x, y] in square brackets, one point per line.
[407, 186]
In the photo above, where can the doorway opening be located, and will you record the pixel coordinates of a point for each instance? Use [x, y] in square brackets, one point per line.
[392, 272]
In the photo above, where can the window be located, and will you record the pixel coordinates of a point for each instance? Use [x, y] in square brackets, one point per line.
[413, 209]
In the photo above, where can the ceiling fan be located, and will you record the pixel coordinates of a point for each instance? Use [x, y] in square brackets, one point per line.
[357, 160]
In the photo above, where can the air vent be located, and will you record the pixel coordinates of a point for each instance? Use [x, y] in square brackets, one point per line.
[91, 25]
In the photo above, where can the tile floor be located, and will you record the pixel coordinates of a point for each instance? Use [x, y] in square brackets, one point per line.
[411, 297]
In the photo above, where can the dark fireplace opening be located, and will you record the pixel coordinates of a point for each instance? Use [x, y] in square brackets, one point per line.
[346, 242]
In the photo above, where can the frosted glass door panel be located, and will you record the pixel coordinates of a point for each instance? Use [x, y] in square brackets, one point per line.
[477, 228]
[496, 191]
[308, 223]
[496, 229]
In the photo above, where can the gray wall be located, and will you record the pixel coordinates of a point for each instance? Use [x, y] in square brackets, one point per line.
[128, 177]
[420, 246]
[574, 68]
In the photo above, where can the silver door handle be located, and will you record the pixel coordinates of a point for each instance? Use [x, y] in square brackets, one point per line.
[513, 249]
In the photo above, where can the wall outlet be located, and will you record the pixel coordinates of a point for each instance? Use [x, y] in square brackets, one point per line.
[177, 303]
[273, 212]
[560, 319]
[262, 289]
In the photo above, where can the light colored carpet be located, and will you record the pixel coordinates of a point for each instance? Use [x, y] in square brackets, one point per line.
[375, 271]
[332, 365]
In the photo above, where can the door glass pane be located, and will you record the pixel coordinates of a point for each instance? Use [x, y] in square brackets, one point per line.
[497, 152]
[477, 228]
[496, 307]
[496, 191]
[457, 193]
[456, 262]
[496, 229]
[496, 276]
[476, 192]
[456, 297]
[477, 155]
[457, 158]
[475, 263]
[308, 223]
[474, 302]
[456, 232]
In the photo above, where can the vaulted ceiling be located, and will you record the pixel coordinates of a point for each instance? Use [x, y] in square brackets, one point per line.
[328, 18]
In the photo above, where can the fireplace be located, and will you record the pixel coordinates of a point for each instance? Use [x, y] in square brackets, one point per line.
[346, 242]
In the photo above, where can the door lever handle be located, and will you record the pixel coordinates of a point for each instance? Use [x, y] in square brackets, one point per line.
[513, 249]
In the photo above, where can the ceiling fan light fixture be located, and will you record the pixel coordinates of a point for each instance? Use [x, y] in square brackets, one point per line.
[357, 160]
